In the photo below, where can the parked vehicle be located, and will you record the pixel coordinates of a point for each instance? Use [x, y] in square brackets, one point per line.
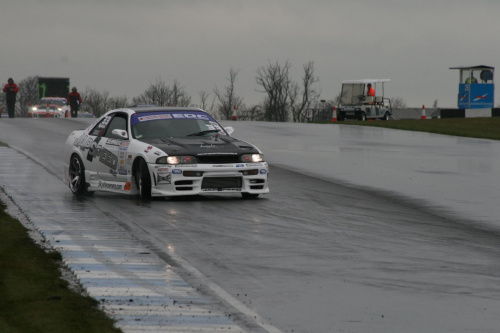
[357, 104]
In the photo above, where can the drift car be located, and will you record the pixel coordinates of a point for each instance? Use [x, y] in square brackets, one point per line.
[49, 107]
[161, 152]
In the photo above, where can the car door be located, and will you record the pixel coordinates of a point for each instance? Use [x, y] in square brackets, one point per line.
[113, 150]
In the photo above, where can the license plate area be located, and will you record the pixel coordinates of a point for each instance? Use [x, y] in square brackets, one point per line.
[221, 183]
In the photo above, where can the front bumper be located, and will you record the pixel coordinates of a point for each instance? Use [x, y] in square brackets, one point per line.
[192, 179]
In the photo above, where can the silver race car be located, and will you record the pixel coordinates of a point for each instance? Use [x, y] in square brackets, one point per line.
[160, 152]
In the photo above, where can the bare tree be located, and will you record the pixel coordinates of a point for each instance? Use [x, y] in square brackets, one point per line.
[27, 96]
[117, 102]
[307, 96]
[227, 98]
[205, 104]
[276, 83]
[158, 93]
[398, 103]
[161, 94]
[435, 104]
[96, 102]
[179, 97]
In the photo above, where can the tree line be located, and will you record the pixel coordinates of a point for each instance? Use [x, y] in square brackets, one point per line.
[284, 99]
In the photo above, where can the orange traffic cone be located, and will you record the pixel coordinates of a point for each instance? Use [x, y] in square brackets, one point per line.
[334, 114]
[423, 116]
[234, 117]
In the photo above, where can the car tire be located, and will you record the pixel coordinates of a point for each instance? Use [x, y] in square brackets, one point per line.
[143, 180]
[246, 195]
[77, 182]
[362, 116]
[386, 116]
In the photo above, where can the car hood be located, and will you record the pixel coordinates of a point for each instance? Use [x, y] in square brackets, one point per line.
[198, 146]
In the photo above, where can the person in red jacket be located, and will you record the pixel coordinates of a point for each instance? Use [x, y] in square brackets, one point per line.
[10, 90]
[74, 100]
[369, 90]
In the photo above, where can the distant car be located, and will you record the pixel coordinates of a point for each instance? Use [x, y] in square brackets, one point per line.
[50, 107]
[161, 152]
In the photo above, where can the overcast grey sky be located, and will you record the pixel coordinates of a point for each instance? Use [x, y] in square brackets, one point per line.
[123, 45]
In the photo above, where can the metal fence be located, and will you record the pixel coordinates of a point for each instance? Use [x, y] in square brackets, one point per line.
[319, 115]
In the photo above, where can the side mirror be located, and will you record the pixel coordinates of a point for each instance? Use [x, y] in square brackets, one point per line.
[229, 130]
[121, 134]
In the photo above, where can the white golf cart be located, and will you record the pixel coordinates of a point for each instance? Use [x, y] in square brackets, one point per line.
[356, 104]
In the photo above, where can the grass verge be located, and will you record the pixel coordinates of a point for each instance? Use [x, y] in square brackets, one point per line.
[482, 128]
[33, 295]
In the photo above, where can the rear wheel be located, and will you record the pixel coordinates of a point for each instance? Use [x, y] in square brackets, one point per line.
[386, 116]
[77, 176]
[143, 180]
[362, 116]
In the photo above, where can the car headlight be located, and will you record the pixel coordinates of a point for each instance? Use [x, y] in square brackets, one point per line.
[176, 160]
[252, 158]
[34, 108]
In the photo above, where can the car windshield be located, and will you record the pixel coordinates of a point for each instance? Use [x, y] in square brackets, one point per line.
[59, 102]
[174, 124]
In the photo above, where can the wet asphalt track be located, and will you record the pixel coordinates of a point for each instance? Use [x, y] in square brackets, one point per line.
[354, 237]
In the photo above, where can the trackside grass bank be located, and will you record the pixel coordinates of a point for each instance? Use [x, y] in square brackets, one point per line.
[483, 128]
[33, 296]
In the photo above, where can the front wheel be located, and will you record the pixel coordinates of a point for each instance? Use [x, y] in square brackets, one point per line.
[77, 176]
[362, 116]
[386, 116]
[143, 180]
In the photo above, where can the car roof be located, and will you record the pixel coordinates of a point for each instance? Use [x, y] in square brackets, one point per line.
[142, 109]
[366, 81]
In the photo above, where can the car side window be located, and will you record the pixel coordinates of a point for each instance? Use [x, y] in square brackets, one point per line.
[118, 122]
[99, 129]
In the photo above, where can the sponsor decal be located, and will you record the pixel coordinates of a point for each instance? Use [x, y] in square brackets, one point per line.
[114, 142]
[187, 165]
[207, 146]
[223, 165]
[155, 117]
[190, 116]
[110, 186]
[162, 169]
[240, 165]
[128, 186]
[148, 149]
[105, 156]
[177, 172]
[219, 153]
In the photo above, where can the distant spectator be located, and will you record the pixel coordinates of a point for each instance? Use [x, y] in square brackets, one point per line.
[369, 90]
[74, 100]
[10, 91]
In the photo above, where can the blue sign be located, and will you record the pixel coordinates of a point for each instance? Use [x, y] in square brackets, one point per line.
[476, 96]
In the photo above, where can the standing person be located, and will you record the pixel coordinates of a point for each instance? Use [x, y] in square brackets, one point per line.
[10, 91]
[74, 100]
[369, 90]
